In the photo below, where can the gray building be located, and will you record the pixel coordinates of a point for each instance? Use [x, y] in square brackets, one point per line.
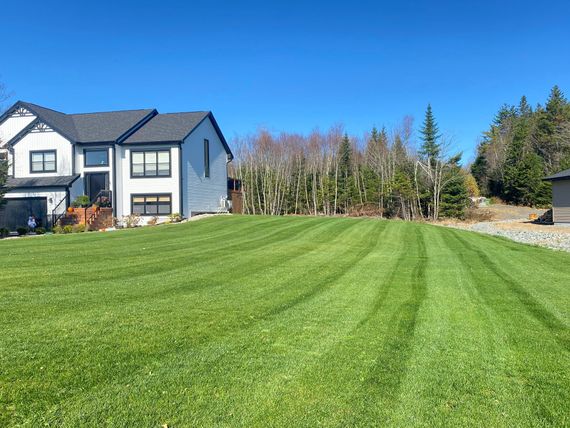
[560, 196]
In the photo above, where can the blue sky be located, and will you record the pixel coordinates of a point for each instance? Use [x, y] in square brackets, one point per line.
[289, 66]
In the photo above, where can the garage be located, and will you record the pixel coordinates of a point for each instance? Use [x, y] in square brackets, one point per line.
[14, 212]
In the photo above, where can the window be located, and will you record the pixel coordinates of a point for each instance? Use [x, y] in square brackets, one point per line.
[96, 157]
[151, 204]
[3, 156]
[155, 163]
[206, 158]
[43, 161]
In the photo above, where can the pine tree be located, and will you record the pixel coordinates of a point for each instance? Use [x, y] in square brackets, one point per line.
[431, 148]
[455, 194]
[344, 180]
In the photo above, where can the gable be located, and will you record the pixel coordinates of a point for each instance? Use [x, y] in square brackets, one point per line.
[14, 122]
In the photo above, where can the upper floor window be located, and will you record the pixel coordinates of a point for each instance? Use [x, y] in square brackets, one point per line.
[44, 161]
[3, 156]
[150, 163]
[206, 158]
[96, 157]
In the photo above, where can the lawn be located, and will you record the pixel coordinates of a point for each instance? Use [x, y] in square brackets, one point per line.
[297, 321]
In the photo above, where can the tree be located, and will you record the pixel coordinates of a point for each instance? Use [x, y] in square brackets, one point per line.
[454, 195]
[3, 178]
[431, 148]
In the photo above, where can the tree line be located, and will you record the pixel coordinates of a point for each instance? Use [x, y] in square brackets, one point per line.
[330, 173]
[521, 146]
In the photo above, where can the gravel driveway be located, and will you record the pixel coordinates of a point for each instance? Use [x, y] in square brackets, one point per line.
[512, 223]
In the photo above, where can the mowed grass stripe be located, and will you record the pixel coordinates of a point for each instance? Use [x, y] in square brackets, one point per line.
[256, 321]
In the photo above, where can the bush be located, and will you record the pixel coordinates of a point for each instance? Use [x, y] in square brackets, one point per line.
[22, 230]
[40, 230]
[130, 221]
[67, 229]
[57, 229]
[152, 221]
[175, 218]
[79, 228]
[82, 201]
[4, 232]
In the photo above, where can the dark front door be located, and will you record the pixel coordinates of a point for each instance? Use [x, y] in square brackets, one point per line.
[14, 212]
[95, 182]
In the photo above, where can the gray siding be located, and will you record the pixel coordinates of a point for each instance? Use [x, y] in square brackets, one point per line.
[202, 194]
[561, 201]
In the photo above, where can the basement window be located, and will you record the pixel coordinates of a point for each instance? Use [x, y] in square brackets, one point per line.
[160, 204]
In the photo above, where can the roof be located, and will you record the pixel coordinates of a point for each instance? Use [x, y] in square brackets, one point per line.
[124, 126]
[90, 127]
[27, 182]
[168, 127]
[562, 175]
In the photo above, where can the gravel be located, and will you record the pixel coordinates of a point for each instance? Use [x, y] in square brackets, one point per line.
[555, 239]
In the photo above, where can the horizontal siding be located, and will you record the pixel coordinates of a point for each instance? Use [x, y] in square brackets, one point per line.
[561, 201]
[42, 141]
[203, 194]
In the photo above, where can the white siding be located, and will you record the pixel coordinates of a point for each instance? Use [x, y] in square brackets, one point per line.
[12, 125]
[202, 194]
[128, 186]
[49, 140]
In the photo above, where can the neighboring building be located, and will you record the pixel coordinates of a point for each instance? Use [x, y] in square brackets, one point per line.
[560, 197]
[141, 161]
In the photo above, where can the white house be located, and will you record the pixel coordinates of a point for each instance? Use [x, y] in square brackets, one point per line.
[139, 161]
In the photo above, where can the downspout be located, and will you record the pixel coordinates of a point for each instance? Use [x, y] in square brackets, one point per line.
[180, 189]
[114, 173]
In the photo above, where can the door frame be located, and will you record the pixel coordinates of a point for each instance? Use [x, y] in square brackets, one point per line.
[87, 177]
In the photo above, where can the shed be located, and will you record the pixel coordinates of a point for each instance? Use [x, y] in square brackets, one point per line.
[560, 196]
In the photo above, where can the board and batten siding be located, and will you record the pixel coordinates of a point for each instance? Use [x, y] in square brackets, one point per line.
[561, 201]
[127, 186]
[12, 126]
[42, 141]
[203, 194]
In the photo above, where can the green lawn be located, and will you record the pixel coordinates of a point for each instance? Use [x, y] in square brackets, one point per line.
[266, 321]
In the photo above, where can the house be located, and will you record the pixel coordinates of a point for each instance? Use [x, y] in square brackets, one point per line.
[560, 197]
[138, 161]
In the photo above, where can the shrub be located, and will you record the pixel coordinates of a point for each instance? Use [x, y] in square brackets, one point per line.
[67, 229]
[132, 220]
[57, 229]
[152, 221]
[79, 228]
[175, 218]
[4, 232]
[22, 230]
[81, 201]
[40, 230]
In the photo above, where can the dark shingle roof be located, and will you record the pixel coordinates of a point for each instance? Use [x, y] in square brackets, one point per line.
[106, 126]
[562, 175]
[168, 127]
[126, 126]
[91, 127]
[59, 181]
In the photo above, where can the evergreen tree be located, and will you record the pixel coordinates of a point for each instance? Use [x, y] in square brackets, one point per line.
[454, 195]
[344, 180]
[431, 148]
[3, 178]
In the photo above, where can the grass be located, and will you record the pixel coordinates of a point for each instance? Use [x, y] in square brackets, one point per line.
[264, 321]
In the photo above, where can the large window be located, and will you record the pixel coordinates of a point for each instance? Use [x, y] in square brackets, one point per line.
[151, 204]
[96, 157]
[206, 158]
[43, 161]
[150, 163]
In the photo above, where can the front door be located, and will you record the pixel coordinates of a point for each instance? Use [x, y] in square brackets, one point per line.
[95, 182]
